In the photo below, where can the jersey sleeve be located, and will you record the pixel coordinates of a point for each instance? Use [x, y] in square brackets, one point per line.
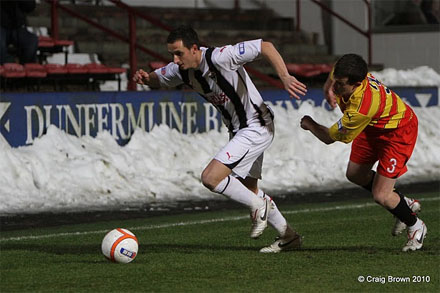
[169, 75]
[348, 127]
[233, 57]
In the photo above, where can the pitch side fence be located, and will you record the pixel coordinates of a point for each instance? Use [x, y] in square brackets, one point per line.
[25, 116]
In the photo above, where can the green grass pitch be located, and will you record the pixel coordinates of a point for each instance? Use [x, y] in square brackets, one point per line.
[344, 242]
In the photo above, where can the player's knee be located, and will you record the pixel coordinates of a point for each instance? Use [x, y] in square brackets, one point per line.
[208, 180]
[380, 197]
[351, 177]
[356, 178]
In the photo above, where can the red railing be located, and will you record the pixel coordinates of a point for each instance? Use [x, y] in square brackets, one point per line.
[365, 33]
[131, 40]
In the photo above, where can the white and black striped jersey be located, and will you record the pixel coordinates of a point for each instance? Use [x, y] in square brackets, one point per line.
[222, 80]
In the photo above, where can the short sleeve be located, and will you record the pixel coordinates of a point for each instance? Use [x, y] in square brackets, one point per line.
[232, 57]
[169, 75]
[348, 127]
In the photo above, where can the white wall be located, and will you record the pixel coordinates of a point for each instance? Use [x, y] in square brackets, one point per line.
[396, 50]
[407, 50]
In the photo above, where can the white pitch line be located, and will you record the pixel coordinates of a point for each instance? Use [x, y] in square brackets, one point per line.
[188, 223]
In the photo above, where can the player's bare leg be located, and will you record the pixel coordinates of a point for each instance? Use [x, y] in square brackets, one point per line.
[356, 174]
[217, 177]
[214, 173]
[384, 194]
[359, 174]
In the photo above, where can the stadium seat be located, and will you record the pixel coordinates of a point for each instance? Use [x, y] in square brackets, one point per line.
[47, 46]
[13, 76]
[55, 69]
[74, 68]
[45, 42]
[63, 43]
[13, 70]
[99, 72]
[308, 70]
[116, 70]
[35, 70]
[95, 68]
[35, 73]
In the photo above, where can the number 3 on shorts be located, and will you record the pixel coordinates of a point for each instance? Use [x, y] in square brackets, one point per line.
[393, 165]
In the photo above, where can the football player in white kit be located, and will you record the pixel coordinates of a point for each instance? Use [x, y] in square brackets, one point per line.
[218, 75]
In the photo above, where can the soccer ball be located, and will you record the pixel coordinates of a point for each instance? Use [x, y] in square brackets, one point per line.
[120, 245]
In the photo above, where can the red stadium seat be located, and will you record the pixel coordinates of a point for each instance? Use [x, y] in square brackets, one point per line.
[1, 70]
[99, 72]
[95, 68]
[47, 46]
[35, 70]
[326, 68]
[13, 70]
[45, 42]
[74, 68]
[305, 70]
[48, 42]
[63, 43]
[55, 69]
[116, 70]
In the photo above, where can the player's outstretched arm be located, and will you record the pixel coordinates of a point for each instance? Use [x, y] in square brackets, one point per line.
[291, 84]
[145, 78]
[318, 130]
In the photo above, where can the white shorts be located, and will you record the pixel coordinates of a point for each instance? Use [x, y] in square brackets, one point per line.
[244, 152]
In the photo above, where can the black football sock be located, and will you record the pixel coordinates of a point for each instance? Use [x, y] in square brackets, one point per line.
[369, 185]
[398, 193]
[404, 213]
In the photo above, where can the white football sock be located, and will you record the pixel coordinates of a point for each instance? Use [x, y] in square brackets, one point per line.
[275, 218]
[235, 190]
[416, 226]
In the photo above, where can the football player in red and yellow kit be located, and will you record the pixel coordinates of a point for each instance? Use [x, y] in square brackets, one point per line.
[382, 128]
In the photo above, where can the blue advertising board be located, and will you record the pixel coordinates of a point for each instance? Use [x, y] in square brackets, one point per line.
[25, 116]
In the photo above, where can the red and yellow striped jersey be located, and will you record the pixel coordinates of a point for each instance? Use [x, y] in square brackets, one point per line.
[372, 104]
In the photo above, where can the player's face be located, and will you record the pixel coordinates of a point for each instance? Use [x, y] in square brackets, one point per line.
[182, 56]
[342, 88]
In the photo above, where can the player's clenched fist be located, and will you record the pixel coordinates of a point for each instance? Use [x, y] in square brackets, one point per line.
[307, 122]
[141, 77]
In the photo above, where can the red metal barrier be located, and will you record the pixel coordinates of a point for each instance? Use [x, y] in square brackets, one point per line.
[131, 40]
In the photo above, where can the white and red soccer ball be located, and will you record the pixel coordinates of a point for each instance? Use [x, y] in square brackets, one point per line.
[120, 245]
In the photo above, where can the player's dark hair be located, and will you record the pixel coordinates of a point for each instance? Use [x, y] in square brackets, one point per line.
[351, 66]
[185, 33]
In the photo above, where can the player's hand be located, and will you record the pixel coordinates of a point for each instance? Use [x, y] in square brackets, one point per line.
[141, 77]
[307, 122]
[331, 97]
[294, 87]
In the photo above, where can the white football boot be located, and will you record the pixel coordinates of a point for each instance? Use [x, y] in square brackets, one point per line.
[399, 226]
[259, 219]
[289, 242]
[415, 237]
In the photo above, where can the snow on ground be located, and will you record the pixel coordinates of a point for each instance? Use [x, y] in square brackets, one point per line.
[60, 172]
